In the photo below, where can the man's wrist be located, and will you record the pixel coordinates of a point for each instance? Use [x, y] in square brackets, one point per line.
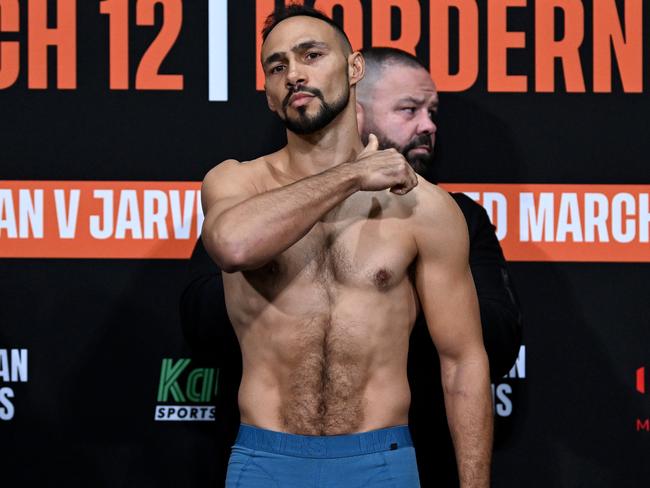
[349, 176]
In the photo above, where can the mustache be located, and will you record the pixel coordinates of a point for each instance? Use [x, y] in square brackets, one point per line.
[302, 89]
[421, 140]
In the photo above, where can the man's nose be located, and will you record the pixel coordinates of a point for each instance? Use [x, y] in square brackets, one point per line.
[295, 75]
[425, 124]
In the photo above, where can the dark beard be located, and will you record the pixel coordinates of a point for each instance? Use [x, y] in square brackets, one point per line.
[305, 124]
[420, 162]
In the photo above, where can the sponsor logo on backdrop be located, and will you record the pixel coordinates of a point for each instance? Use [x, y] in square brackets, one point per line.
[129, 219]
[13, 369]
[642, 424]
[184, 393]
[502, 391]
[640, 380]
[588, 63]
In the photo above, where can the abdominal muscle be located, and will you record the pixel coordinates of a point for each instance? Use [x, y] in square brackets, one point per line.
[335, 367]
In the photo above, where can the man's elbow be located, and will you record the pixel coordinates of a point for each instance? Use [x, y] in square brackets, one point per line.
[229, 254]
[460, 369]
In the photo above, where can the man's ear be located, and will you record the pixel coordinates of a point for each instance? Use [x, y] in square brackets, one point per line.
[360, 117]
[356, 67]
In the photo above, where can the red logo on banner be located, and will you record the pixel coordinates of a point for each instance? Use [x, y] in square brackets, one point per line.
[640, 380]
[641, 424]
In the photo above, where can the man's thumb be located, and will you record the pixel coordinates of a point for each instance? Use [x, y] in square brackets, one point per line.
[373, 143]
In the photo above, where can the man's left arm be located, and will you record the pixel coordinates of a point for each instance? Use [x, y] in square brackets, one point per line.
[500, 312]
[448, 297]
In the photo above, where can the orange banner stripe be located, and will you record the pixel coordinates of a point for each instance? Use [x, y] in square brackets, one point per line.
[99, 219]
[558, 222]
[161, 220]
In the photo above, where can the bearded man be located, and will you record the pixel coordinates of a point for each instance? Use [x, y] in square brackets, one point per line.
[330, 250]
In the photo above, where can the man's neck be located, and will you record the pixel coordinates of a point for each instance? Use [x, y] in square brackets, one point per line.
[314, 153]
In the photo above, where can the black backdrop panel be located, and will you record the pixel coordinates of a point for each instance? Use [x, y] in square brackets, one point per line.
[83, 342]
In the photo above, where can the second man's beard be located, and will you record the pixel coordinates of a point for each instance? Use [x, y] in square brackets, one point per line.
[304, 124]
[419, 162]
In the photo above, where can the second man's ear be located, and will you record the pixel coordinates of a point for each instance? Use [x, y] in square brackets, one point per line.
[356, 67]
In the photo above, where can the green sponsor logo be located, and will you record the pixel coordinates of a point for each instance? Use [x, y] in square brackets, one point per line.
[198, 385]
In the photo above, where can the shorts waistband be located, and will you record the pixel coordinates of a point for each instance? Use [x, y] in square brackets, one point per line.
[329, 446]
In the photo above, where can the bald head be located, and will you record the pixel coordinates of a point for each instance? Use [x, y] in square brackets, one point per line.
[397, 101]
[377, 60]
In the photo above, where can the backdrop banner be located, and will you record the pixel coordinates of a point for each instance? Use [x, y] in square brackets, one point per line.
[111, 113]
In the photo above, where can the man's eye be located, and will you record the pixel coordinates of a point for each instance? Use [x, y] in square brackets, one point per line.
[313, 55]
[433, 115]
[277, 69]
[409, 110]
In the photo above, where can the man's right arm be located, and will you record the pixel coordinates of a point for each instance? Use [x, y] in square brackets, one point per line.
[245, 229]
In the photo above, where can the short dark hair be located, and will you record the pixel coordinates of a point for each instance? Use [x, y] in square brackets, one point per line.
[295, 10]
[377, 60]
[380, 56]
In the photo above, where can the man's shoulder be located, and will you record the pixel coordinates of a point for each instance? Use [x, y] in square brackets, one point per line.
[234, 167]
[235, 173]
[432, 202]
[437, 221]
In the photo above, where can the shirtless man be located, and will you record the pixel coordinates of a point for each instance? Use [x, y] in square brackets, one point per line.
[329, 251]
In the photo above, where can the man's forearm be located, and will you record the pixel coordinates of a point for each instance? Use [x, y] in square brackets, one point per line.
[251, 233]
[468, 403]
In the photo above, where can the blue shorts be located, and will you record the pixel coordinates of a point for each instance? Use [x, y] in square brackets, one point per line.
[382, 458]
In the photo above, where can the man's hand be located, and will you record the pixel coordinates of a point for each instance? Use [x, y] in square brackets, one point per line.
[379, 170]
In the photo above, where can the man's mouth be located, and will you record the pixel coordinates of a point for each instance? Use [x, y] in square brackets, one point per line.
[300, 99]
[421, 144]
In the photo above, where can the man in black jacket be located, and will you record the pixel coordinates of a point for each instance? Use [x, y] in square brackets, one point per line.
[390, 105]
